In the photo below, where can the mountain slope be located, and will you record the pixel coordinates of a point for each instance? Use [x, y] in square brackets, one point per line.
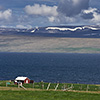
[57, 31]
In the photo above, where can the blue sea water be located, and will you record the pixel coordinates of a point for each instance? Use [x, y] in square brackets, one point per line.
[51, 67]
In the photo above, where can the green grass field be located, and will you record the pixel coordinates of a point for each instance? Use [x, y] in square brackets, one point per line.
[37, 91]
[61, 86]
[46, 95]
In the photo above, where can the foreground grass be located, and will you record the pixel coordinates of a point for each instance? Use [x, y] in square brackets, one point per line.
[37, 91]
[46, 95]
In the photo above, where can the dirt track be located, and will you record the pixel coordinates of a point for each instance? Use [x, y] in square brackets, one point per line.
[30, 89]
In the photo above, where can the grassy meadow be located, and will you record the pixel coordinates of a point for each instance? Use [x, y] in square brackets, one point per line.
[54, 86]
[38, 91]
[46, 95]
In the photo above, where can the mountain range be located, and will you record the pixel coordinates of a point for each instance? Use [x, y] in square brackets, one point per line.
[92, 31]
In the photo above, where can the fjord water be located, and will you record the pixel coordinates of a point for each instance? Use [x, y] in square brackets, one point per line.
[51, 67]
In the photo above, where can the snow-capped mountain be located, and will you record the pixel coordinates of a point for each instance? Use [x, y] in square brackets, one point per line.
[57, 31]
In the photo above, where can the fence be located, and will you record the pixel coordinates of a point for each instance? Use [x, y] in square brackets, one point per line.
[55, 86]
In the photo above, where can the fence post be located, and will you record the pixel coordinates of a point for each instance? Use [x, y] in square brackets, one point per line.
[80, 87]
[42, 84]
[56, 86]
[18, 85]
[64, 87]
[48, 86]
[87, 88]
[6, 84]
[71, 86]
[33, 84]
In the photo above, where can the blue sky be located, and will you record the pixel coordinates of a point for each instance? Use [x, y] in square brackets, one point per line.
[32, 13]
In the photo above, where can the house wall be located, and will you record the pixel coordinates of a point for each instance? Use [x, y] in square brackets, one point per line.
[27, 80]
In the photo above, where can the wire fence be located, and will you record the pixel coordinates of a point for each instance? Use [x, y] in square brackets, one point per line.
[53, 86]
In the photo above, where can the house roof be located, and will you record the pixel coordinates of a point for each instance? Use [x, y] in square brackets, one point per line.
[21, 78]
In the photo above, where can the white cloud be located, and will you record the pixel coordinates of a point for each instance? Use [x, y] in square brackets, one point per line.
[42, 10]
[67, 20]
[96, 15]
[6, 14]
[23, 26]
[51, 19]
[67, 12]
[90, 10]
[96, 18]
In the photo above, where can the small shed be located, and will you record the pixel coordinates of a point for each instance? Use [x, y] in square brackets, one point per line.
[22, 80]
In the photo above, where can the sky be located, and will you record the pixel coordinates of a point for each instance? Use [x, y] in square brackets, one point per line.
[33, 13]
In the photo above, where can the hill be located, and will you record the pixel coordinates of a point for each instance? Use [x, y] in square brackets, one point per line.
[60, 39]
[57, 31]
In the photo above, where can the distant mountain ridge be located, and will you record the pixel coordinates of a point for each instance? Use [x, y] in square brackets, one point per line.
[92, 31]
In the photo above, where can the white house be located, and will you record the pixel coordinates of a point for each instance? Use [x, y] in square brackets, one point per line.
[22, 79]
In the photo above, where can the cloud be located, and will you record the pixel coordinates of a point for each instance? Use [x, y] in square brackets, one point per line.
[6, 15]
[76, 12]
[67, 12]
[93, 14]
[71, 8]
[89, 13]
[3, 26]
[90, 10]
[96, 18]
[23, 26]
[51, 19]
[42, 10]
[87, 16]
